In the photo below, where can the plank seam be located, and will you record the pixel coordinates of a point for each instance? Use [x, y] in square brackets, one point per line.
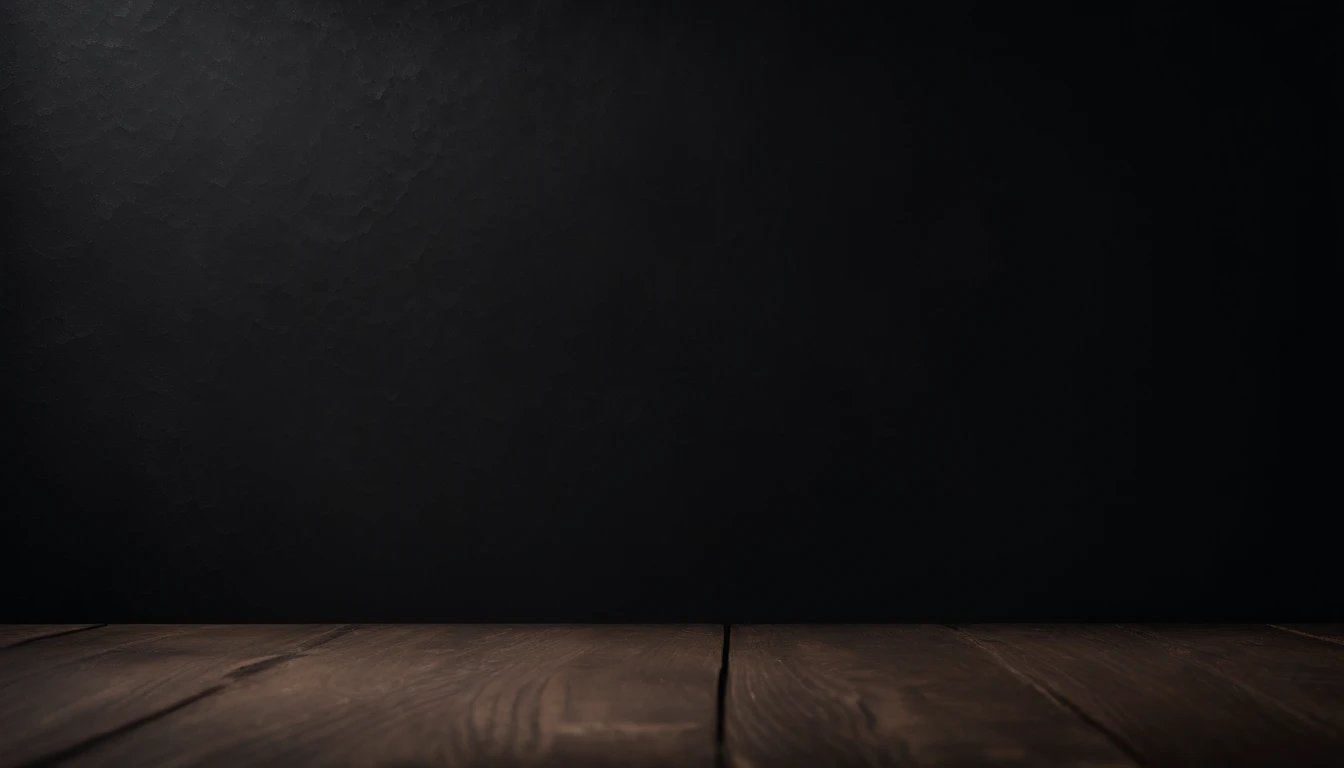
[95, 654]
[1254, 693]
[98, 739]
[231, 679]
[1313, 636]
[721, 706]
[1054, 697]
[261, 666]
[48, 636]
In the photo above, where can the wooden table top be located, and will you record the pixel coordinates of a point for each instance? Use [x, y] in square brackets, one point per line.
[745, 696]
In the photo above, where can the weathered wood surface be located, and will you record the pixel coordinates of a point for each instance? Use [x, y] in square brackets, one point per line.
[901, 695]
[61, 692]
[495, 696]
[1332, 633]
[1189, 696]
[22, 634]
[454, 695]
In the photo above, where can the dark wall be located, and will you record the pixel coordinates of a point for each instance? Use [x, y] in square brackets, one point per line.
[407, 310]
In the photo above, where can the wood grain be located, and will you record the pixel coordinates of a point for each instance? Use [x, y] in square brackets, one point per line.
[87, 685]
[1294, 673]
[455, 695]
[28, 659]
[1330, 633]
[891, 695]
[22, 634]
[495, 696]
[1189, 696]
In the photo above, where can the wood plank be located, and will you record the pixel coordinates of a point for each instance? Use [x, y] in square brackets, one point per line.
[101, 683]
[1298, 674]
[22, 634]
[28, 659]
[456, 695]
[1330, 633]
[891, 695]
[1187, 696]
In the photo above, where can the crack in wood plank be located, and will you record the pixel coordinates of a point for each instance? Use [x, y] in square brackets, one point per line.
[1056, 697]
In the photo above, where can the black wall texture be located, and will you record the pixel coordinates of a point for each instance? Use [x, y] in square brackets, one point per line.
[361, 310]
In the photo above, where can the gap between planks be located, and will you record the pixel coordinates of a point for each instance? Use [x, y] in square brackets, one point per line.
[92, 742]
[49, 635]
[1054, 697]
[720, 715]
[1312, 635]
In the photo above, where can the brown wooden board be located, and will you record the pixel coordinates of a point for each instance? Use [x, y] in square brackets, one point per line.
[1330, 633]
[454, 695]
[27, 659]
[1188, 696]
[1293, 673]
[22, 634]
[891, 695]
[1094, 695]
[107, 680]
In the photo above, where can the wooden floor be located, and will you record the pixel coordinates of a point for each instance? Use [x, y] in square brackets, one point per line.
[401, 696]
